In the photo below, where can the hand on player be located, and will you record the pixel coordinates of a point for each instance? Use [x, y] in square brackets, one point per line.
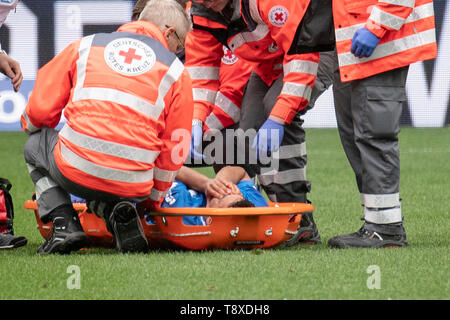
[216, 188]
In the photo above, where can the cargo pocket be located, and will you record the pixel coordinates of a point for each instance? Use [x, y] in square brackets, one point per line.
[383, 110]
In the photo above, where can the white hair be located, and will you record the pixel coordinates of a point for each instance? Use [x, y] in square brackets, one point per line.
[165, 13]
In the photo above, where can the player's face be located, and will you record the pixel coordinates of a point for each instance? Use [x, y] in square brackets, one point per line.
[215, 5]
[225, 201]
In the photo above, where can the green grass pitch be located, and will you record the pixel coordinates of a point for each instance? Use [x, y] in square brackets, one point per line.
[419, 271]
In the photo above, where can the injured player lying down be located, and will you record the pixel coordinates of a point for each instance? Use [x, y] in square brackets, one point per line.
[232, 187]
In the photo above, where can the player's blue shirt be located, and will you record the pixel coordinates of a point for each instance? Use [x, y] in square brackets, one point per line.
[179, 195]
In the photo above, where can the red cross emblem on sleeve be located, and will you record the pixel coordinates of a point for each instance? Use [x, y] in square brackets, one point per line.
[228, 56]
[278, 16]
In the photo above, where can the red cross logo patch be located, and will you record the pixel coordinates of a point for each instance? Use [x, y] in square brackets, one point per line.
[228, 56]
[278, 16]
[130, 57]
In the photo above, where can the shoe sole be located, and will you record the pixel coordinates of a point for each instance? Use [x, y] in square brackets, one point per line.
[16, 244]
[306, 235]
[387, 244]
[73, 242]
[134, 239]
[302, 239]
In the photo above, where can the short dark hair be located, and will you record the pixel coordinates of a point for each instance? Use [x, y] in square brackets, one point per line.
[244, 203]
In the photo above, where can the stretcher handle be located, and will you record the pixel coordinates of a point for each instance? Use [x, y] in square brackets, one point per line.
[285, 208]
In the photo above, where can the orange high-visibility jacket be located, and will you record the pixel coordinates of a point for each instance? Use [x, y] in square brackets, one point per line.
[233, 77]
[264, 42]
[218, 80]
[406, 29]
[128, 104]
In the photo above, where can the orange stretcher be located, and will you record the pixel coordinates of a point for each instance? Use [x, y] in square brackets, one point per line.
[226, 228]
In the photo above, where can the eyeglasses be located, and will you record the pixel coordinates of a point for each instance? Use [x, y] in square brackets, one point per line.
[180, 46]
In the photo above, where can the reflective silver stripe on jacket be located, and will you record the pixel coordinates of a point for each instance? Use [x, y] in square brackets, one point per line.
[300, 66]
[203, 73]
[259, 33]
[390, 48]
[172, 75]
[83, 55]
[384, 18]
[157, 195]
[254, 11]
[103, 172]
[228, 106]
[204, 95]
[120, 97]
[164, 175]
[297, 90]
[213, 122]
[108, 147]
[419, 13]
[30, 127]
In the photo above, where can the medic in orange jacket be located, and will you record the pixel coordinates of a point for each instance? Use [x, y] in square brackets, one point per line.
[265, 43]
[406, 29]
[232, 77]
[218, 78]
[122, 94]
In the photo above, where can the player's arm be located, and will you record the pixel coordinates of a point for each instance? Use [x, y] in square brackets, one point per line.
[199, 182]
[233, 174]
[230, 176]
[192, 178]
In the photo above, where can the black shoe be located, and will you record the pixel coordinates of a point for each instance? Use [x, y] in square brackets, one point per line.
[9, 241]
[125, 225]
[307, 232]
[372, 236]
[67, 235]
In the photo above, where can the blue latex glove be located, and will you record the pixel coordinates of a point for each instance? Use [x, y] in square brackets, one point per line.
[76, 199]
[196, 140]
[269, 137]
[364, 43]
